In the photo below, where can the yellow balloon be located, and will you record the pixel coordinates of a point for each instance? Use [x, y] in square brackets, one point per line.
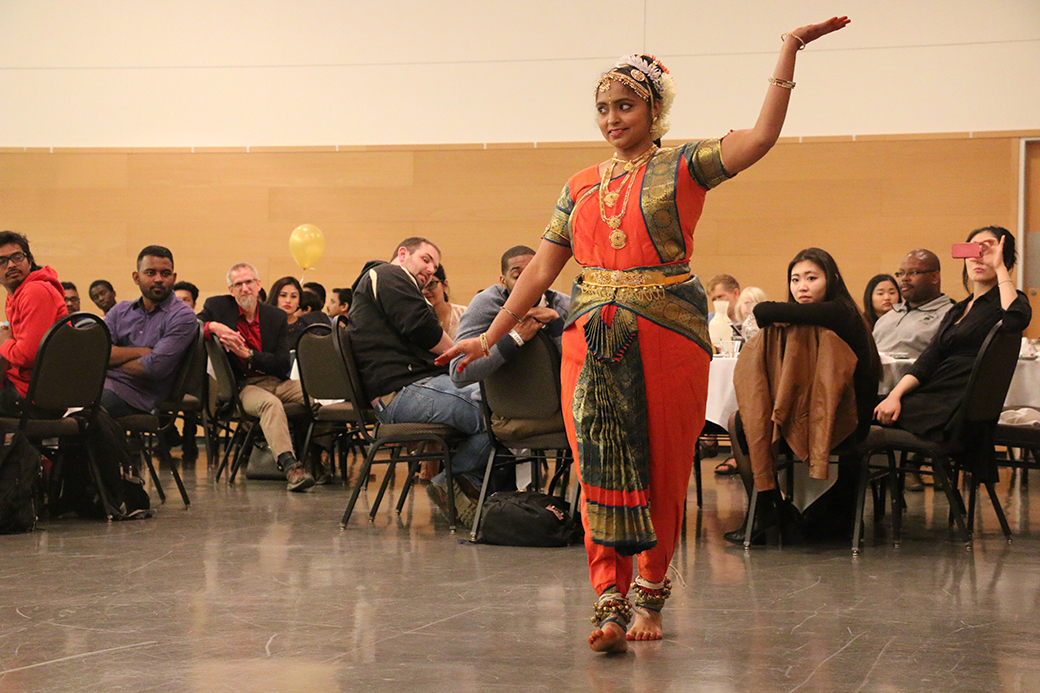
[306, 243]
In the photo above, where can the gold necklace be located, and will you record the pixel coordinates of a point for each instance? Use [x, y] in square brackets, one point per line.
[609, 198]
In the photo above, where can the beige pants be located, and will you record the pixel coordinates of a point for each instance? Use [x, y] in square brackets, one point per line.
[263, 396]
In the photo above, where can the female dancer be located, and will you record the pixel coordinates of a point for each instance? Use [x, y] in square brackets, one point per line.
[636, 348]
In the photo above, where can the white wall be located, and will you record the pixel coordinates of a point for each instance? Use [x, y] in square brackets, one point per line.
[78, 73]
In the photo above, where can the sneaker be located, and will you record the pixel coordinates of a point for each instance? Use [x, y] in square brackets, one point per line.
[298, 478]
[465, 506]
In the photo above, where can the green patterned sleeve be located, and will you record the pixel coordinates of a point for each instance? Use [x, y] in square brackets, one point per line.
[705, 163]
[558, 230]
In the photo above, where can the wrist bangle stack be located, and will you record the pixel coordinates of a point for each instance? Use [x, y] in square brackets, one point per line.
[782, 83]
[783, 37]
[1008, 281]
[510, 314]
[484, 344]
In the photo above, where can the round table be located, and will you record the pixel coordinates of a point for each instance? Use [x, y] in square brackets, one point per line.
[722, 396]
[1023, 392]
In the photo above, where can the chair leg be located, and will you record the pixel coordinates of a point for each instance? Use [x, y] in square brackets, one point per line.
[242, 453]
[413, 468]
[748, 528]
[145, 453]
[861, 500]
[953, 496]
[391, 468]
[992, 490]
[164, 454]
[973, 489]
[896, 478]
[483, 493]
[453, 515]
[362, 479]
[95, 474]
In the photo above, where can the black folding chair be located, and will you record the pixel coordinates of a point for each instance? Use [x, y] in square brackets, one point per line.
[68, 373]
[324, 376]
[969, 449]
[407, 442]
[522, 410]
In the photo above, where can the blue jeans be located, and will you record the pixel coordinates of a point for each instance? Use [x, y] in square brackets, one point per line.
[438, 400]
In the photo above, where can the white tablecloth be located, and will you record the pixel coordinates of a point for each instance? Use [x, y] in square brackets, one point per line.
[1024, 390]
[722, 397]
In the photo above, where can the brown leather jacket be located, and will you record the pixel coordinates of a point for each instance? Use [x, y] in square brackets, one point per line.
[795, 382]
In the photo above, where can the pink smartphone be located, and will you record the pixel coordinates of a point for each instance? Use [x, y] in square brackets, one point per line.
[966, 250]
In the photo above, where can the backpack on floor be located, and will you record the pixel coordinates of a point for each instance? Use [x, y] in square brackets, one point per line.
[527, 518]
[19, 470]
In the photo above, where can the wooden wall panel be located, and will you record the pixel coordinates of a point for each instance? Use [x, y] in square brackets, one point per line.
[89, 212]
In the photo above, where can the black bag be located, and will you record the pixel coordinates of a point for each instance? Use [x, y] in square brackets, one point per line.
[79, 490]
[527, 518]
[261, 464]
[19, 470]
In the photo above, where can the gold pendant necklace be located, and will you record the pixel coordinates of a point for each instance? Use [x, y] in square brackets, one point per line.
[609, 198]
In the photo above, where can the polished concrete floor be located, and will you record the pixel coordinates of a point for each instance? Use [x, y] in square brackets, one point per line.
[255, 589]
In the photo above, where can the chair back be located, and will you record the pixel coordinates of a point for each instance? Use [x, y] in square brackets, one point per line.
[190, 374]
[526, 386]
[991, 375]
[323, 374]
[70, 366]
[224, 389]
[358, 398]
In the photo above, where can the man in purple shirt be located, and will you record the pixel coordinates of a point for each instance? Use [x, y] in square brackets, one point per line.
[150, 337]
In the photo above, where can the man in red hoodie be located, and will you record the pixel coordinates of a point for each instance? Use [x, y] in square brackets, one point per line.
[35, 300]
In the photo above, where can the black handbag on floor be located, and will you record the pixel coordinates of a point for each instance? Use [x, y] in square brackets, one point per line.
[526, 518]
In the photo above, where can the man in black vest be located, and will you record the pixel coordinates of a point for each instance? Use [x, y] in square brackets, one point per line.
[256, 335]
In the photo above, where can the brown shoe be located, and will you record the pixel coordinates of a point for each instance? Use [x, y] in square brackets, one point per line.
[298, 478]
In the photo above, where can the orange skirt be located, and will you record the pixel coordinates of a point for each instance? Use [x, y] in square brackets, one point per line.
[676, 373]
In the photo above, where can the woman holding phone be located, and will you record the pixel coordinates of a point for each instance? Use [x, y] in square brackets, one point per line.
[925, 399]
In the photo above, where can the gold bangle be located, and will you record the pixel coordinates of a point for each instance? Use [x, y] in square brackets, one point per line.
[782, 83]
[783, 37]
[484, 345]
[510, 314]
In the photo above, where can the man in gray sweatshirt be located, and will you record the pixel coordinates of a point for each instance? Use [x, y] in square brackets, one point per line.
[549, 314]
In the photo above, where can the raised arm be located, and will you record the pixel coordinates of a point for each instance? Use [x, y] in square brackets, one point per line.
[742, 148]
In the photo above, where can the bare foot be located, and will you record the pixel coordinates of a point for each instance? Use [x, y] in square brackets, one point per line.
[646, 625]
[610, 638]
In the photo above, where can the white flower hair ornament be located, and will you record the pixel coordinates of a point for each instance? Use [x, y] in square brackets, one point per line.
[650, 79]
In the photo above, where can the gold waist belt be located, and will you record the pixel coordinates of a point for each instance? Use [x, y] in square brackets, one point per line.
[632, 279]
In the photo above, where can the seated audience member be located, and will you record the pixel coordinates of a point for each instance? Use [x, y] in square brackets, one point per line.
[395, 336]
[448, 313]
[925, 400]
[257, 336]
[749, 297]
[35, 301]
[318, 289]
[187, 292]
[817, 296]
[878, 298]
[72, 303]
[549, 314]
[910, 325]
[150, 338]
[310, 309]
[102, 294]
[723, 287]
[287, 294]
[338, 303]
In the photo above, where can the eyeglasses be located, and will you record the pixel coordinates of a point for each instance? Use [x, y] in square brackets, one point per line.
[432, 283]
[910, 274]
[239, 285]
[16, 258]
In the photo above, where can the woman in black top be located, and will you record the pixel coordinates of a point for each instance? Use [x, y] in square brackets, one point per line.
[817, 295]
[925, 400]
